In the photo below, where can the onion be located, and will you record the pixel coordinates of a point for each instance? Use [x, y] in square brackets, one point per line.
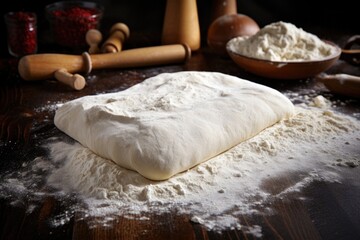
[226, 27]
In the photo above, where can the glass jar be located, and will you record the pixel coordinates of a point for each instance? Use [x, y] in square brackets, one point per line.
[21, 33]
[70, 21]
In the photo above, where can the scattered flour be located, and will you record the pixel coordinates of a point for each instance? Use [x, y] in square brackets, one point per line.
[314, 145]
[281, 41]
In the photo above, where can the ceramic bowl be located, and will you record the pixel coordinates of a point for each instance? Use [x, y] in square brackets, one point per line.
[283, 69]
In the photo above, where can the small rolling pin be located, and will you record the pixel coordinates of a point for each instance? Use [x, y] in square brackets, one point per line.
[119, 32]
[93, 38]
[344, 84]
[43, 66]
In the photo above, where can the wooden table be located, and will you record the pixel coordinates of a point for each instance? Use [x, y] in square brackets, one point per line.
[332, 213]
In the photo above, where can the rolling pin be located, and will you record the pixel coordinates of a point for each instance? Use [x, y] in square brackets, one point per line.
[341, 83]
[93, 38]
[119, 32]
[43, 66]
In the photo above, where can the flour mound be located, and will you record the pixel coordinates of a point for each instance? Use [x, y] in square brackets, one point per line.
[173, 121]
[281, 41]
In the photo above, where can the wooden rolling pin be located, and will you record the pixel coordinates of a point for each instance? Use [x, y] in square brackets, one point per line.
[341, 83]
[93, 38]
[75, 81]
[43, 66]
[119, 32]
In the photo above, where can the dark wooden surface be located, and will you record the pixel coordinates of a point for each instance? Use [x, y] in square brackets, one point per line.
[332, 211]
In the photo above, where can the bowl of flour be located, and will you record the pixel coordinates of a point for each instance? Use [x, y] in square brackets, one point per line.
[281, 50]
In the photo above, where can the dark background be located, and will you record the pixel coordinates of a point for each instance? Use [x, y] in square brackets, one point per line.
[146, 17]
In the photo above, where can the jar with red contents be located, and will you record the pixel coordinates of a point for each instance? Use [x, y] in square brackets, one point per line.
[70, 20]
[21, 33]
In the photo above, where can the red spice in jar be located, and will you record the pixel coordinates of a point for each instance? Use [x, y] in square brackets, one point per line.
[21, 33]
[70, 25]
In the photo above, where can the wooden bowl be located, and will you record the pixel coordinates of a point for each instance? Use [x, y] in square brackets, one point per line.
[284, 69]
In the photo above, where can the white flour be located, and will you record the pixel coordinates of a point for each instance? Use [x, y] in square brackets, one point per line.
[311, 144]
[314, 145]
[281, 41]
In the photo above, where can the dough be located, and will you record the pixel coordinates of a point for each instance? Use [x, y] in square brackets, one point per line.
[173, 121]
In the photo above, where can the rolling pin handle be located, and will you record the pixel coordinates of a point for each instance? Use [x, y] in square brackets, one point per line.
[119, 32]
[93, 38]
[75, 81]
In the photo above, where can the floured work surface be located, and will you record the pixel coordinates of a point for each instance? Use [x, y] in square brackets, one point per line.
[173, 121]
[296, 179]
